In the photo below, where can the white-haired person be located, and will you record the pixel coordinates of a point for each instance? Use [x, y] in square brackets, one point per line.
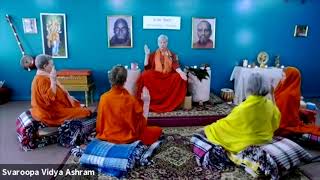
[120, 117]
[252, 122]
[163, 78]
[50, 102]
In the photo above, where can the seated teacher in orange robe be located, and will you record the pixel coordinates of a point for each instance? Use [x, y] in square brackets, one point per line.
[120, 117]
[163, 78]
[50, 102]
[287, 96]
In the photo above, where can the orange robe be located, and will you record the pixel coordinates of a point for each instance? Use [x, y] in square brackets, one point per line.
[287, 96]
[167, 89]
[53, 108]
[120, 119]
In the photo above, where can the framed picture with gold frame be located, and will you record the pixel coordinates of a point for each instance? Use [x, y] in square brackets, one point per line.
[203, 33]
[301, 31]
[119, 31]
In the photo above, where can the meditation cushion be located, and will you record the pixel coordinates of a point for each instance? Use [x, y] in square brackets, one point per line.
[269, 160]
[307, 140]
[76, 132]
[33, 134]
[28, 134]
[284, 152]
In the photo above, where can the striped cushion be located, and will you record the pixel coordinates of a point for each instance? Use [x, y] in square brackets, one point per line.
[286, 153]
[27, 132]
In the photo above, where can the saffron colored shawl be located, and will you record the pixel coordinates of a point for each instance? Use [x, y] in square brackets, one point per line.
[287, 96]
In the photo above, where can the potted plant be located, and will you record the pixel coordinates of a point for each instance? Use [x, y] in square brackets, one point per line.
[199, 82]
[201, 73]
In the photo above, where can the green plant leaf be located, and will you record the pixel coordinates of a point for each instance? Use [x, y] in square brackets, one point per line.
[199, 73]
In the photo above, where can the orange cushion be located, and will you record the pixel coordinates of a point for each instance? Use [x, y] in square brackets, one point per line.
[74, 72]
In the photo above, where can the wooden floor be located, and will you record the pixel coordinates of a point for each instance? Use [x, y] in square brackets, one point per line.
[10, 152]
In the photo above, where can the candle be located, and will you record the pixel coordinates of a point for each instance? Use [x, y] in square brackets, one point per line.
[245, 63]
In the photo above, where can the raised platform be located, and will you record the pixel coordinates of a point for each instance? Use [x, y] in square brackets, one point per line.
[199, 115]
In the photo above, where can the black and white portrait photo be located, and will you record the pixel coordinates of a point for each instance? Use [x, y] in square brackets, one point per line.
[119, 31]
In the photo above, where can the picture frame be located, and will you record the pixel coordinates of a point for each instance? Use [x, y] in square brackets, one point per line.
[54, 34]
[119, 31]
[301, 31]
[29, 25]
[203, 33]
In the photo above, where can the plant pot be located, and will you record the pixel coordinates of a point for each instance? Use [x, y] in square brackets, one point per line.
[200, 90]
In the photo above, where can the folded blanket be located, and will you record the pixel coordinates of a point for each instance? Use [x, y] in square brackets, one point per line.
[70, 133]
[273, 159]
[117, 159]
[209, 155]
[27, 132]
[286, 153]
[111, 159]
[312, 139]
[256, 162]
[253, 159]
[76, 132]
[147, 153]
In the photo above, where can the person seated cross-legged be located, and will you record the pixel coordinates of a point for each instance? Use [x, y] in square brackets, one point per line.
[287, 96]
[120, 117]
[50, 102]
[163, 78]
[252, 122]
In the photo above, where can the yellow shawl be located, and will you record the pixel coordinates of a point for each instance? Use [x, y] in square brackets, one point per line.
[250, 123]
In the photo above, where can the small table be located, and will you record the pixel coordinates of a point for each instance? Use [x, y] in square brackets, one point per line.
[87, 88]
[240, 75]
[77, 80]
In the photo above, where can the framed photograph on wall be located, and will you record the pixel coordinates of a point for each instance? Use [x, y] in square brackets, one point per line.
[54, 34]
[119, 31]
[301, 31]
[29, 25]
[203, 33]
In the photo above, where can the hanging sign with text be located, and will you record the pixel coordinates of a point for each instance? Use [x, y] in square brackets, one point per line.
[161, 22]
